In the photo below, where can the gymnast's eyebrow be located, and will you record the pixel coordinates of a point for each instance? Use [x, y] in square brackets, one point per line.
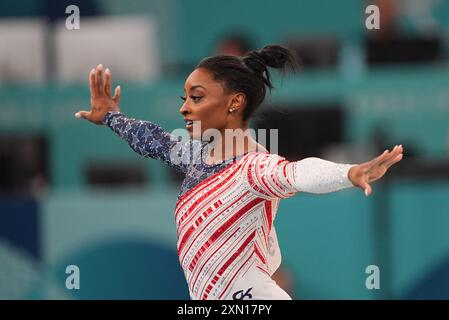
[196, 87]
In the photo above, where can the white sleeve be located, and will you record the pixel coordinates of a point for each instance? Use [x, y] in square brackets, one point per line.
[316, 175]
[270, 176]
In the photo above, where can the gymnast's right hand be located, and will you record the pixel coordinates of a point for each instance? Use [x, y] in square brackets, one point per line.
[101, 100]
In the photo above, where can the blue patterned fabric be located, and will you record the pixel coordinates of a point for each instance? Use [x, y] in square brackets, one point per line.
[151, 141]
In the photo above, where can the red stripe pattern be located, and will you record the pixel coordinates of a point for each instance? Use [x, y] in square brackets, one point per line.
[223, 223]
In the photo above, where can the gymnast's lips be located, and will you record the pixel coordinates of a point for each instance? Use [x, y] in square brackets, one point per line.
[189, 123]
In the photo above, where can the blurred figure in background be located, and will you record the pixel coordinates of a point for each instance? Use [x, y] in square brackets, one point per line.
[393, 44]
[234, 44]
[388, 19]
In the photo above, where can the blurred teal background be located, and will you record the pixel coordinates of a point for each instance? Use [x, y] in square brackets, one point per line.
[124, 239]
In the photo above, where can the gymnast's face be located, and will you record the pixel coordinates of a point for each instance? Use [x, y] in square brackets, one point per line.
[207, 105]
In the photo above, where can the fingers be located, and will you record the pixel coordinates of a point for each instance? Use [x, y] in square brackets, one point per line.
[117, 95]
[376, 168]
[394, 156]
[366, 187]
[107, 82]
[380, 158]
[97, 84]
[387, 156]
[82, 114]
[99, 78]
[391, 162]
[92, 83]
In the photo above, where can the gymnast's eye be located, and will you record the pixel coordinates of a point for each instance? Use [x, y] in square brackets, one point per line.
[195, 98]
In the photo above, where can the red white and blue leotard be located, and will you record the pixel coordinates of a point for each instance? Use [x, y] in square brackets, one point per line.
[227, 243]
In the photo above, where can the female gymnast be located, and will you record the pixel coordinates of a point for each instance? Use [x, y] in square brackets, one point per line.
[227, 242]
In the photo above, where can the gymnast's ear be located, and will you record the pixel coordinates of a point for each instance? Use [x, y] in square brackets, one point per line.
[237, 102]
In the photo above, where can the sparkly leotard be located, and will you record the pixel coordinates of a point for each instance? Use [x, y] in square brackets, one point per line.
[227, 243]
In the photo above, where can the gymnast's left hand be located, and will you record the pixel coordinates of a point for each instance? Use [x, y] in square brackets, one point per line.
[361, 175]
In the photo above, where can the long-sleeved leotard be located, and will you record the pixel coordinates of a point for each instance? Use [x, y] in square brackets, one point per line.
[227, 242]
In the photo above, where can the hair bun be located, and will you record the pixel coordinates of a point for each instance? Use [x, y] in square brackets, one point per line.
[273, 56]
[255, 62]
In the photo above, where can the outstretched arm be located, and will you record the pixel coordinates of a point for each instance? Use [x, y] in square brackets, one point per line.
[144, 137]
[320, 176]
[271, 176]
